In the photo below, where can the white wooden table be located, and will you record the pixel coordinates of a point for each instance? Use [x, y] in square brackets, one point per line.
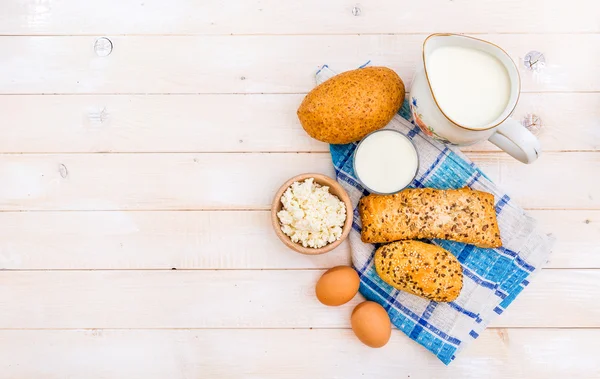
[135, 186]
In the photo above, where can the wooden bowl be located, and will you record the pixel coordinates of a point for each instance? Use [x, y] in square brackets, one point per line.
[334, 189]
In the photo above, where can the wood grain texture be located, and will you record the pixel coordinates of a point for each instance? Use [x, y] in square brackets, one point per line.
[576, 235]
[188, 87]
[223, 181]
[287, 64]
[289, 354]
[569, 121]
[311, 16]
[150, 240]
[243, 299]
[213, 240]
[231, 123]
[555, 186]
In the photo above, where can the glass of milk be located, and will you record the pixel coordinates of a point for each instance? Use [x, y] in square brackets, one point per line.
[385, 161]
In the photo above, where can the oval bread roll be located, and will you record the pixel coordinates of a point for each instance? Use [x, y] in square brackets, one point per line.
[351, 105]
[421, 269]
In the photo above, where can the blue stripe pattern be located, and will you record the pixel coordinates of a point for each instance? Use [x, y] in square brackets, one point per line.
[493, 278]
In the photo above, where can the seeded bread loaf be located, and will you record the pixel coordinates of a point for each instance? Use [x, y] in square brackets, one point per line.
[462, 215]
[350, 105]
[421, 269]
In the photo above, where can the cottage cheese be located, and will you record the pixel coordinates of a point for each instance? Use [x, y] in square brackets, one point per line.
[311, 215]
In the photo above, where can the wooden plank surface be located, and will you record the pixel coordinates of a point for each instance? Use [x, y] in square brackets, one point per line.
[232, 123]
[222, 181]
[577, 236]
[311, 16]
[213, 240]
[114, 170]
[288, 354]
[243, 299]
[287, 64]
[151, 240]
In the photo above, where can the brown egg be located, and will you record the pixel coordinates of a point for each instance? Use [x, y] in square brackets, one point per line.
[337, 285]
[371, 324]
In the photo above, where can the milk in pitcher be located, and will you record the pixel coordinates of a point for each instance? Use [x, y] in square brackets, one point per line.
[471, 87]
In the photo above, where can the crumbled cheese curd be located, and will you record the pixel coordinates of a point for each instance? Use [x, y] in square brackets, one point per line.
[311, 215]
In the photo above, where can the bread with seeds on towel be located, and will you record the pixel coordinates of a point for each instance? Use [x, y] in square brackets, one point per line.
[421, 269]
[462, 215]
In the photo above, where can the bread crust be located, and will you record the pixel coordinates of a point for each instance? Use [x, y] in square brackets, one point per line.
[462, 215]
[421, 269]
[352, 104]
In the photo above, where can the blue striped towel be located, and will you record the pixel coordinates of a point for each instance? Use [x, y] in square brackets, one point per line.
[492, 277]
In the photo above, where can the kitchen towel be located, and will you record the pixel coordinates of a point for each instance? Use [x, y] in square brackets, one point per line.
[492, 278]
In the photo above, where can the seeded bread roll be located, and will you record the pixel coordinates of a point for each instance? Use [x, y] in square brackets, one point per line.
[421, 269]
[462, 215]
[352, 104]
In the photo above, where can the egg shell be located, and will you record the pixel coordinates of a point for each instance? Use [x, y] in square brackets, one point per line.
[371, 324]
[337, 286]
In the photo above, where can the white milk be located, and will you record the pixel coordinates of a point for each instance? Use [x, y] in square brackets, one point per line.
[471, 87]
[386, 161]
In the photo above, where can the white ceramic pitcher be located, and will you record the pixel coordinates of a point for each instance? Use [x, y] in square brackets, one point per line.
[506, 133]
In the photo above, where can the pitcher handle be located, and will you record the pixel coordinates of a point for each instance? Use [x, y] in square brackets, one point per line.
[517, 141]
